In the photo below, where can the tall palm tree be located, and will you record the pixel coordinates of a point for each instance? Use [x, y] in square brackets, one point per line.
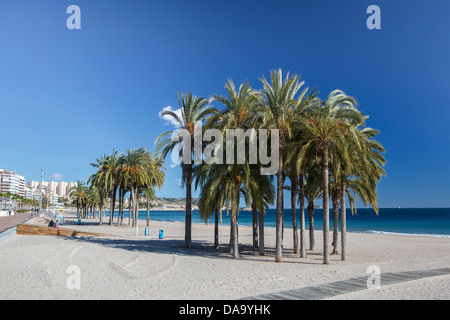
[237, 115]
[77, 195]
[213, 195]
[360, 173]
[156, 177]
[193, 109]
[239, 105]
[326, 132]
[98, 179]
[135, 165]
[280, 105]
[112, 165]
[313, 192]
[228, 182]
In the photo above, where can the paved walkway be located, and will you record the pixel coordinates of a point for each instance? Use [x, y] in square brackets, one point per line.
[346, 286]
[12, 221]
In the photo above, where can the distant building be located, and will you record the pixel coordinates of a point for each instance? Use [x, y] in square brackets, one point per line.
[51, 187]
[61, 188]
[11, 182]
[33, 184]
[52, 198]
[70, 185]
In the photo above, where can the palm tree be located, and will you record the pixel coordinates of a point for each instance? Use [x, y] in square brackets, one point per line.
[360, 173]
[280, 106]
[156, 178]
[92, 200]
[112, 165]
[193, 109]
[239, 105]
[98, 179]
[326, 132]
[77, 195]
[226, 183]
[263, 195]
[313, 192]
[237, 115]
[213, 195]
[135, 166]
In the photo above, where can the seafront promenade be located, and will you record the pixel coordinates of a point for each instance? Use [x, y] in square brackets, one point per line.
[12, 221]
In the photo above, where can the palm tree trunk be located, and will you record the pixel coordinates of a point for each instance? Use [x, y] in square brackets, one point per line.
[255, 226]
[235, 214]
[293, 179]
[136, 207]
[343, 221]
[129, 210]
[188, 223]
[279, 221]
[302, 217]
[120, 207]
[101, 208]
[311, 226]
[232, 234]
[148, 211]
[282, 214]
[261, 231]
[326, 205]
[216, 227]
[132, 199]
[335, 225]
[111, 212]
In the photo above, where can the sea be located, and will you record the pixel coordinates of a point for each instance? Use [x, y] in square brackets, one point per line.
[411, 221]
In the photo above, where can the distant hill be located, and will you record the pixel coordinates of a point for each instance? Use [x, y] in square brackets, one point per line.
[174, 202]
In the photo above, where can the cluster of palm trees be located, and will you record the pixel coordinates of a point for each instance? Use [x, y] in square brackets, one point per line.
[11, 201]
[137, 172]
[325, 150]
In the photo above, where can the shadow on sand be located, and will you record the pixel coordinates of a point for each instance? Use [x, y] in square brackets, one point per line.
[199, 248]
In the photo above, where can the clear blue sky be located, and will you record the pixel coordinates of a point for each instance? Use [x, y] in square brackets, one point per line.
[68, 96]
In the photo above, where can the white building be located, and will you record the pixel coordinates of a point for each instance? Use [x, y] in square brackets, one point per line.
[33, 184]
[11, 182]
[51, 187]
[61, 190]
[52, 198]
[70, 185]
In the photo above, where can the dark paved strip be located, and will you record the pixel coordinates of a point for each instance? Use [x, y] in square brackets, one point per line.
[346, 286]
[12, 221]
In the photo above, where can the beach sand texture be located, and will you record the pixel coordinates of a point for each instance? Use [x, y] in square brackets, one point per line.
[122, 265]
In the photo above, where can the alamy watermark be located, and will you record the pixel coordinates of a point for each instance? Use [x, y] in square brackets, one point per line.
[374, 21]
[74, 20]
[74, 280]
[209, 147]
[374, 280]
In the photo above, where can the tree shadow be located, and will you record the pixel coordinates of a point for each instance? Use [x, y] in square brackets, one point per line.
[202, 249]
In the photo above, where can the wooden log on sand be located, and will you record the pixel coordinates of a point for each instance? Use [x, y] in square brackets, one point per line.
[29, 229]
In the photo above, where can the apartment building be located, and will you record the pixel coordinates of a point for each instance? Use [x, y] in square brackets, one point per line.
[58, 188]
[13, 183]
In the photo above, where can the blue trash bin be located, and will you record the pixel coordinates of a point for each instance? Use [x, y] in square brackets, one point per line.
[79, 221]
[161, 234]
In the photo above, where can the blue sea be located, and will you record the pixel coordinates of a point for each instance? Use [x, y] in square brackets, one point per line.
[419, 221]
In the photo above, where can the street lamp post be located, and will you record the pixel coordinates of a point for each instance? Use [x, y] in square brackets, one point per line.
[40, 191]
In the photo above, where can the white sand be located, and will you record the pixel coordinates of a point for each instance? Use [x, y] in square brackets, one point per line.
[123, 266]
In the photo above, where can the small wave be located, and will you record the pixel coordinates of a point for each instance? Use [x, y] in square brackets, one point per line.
[407, 234]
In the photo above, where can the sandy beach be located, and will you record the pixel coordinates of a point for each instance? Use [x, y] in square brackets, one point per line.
[123, 265]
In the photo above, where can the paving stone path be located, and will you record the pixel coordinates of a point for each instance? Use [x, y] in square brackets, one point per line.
[346, 286]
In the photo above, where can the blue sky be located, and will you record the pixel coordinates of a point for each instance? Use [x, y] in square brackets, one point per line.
[68, 96]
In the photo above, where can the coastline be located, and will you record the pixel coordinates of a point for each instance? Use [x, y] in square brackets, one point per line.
[123, 265]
